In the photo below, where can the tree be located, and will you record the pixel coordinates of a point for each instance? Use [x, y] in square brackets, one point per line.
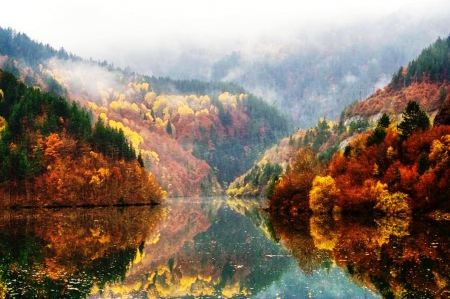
[322, 134]
[169, 128]
[376, 137]
[395, 204]
[323, 195]
[384, 121]
[414, 119]
[140, 160]
[423, 163]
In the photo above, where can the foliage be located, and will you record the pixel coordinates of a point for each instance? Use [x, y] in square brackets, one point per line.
[50, 155]
[291, 194]
[376, 137]
[384, 121]
[390, 204]
[380, 170]
[257, 180]
[323, 195]
[359, 126]
[322, 134]
[111, 142]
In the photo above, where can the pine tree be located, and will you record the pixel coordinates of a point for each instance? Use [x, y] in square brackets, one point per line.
[169, 128]
[414, 119]
[384, 121]
[140, 160]
[423, 163]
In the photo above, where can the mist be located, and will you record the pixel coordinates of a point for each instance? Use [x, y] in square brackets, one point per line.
[299, 56]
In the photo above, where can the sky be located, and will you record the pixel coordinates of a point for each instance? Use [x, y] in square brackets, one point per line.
[114, 30]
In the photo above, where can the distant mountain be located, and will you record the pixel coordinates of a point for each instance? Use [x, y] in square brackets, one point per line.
[194, 136]
[317, 76]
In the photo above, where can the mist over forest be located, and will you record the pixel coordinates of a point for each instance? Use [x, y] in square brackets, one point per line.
[312, 73]
[308, 59]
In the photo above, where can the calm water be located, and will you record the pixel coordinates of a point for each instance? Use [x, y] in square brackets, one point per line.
[217, 248]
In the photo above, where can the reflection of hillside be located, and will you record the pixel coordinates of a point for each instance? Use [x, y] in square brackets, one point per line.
[297, 239]
[253, 210]
[71, 250]
[397, 257]
[414, 264]
[204, 248]
[182, 223]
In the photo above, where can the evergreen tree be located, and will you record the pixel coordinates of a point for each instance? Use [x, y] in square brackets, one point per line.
[379, 133]
[384, 121]
[140, 160]
[423, 163]
[169, 128]
[414, 119]
[322, 135]
[377, 136]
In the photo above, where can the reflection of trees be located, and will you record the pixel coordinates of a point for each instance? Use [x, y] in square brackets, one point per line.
[323, 232]
[207, 248]
[64, 253]
[398, 257]
[296, 237]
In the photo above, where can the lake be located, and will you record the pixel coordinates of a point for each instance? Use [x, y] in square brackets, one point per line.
[217, 248]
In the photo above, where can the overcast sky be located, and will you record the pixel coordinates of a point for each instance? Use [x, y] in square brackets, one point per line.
[107, 29]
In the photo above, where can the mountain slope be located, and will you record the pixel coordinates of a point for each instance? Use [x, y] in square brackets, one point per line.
[194, 136]
[51, 155]
[408, 84]
[396, 167]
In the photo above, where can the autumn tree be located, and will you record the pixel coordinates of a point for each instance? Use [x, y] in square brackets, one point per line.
[323, 195]
[393, 204]
[291, 194]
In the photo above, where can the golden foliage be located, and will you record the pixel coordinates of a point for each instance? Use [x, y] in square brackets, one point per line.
[52, 145]
[391, 204]
[322, 232]
[323, 194]
[3, 124]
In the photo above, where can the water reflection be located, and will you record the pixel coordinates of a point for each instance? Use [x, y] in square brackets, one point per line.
[217, 248]
[225, 248]
[209, 248]
[66, 253]
[394, 257]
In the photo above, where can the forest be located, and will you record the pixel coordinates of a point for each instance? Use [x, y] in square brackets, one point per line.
[398, 166]
[51, 154]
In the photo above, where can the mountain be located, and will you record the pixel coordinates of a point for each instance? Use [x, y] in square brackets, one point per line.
[309, 72]
[388, 157]
[316, 77]
[194, 136]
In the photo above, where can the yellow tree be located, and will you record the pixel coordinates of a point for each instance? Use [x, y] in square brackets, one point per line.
[3, 123]
[391, 204]
[323, 194]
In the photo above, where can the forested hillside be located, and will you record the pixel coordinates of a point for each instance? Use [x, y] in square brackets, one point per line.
[396, 167]
[51, 154]
[194, 136]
